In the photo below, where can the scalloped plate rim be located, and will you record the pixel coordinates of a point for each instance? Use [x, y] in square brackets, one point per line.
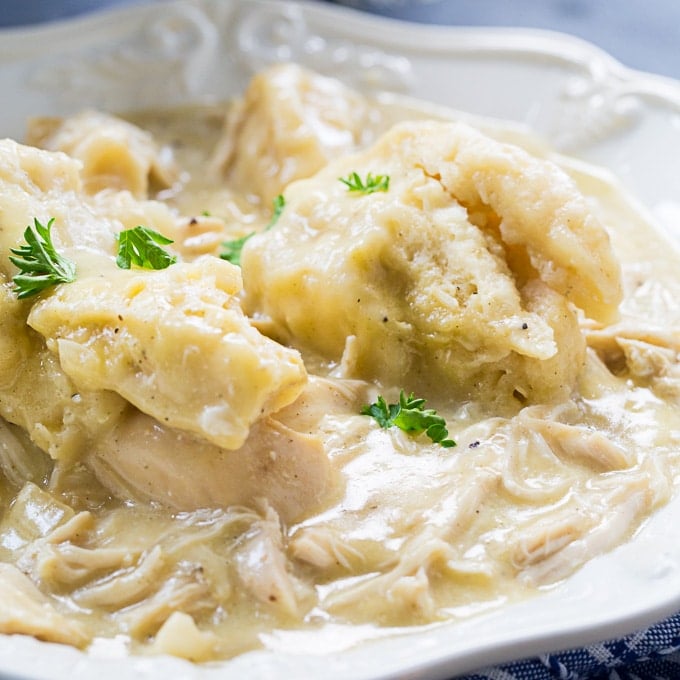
[383, 659]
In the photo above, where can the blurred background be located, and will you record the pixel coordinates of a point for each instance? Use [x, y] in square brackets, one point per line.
[642, 34]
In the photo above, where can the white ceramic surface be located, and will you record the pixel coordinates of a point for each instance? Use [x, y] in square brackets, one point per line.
[575, 96]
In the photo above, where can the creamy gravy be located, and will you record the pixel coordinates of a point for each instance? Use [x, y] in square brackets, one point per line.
[404, 531]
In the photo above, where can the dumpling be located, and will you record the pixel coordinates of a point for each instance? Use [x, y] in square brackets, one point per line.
[288, 125]
[115, 154]
[462, 278]
[174, 343]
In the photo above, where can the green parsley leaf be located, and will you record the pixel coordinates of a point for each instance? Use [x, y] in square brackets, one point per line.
[142, 246]
[278, 204]
[382, 412]
[39, 264]
[232, 249]
[373, 183]
[411, 416]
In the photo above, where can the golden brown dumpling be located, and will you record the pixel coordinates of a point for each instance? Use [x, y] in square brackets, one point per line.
[461, 278]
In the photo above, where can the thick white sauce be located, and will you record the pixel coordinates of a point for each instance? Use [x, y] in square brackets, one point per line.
[137, 521]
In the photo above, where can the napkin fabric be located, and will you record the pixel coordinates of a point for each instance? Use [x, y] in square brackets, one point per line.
[649, 654]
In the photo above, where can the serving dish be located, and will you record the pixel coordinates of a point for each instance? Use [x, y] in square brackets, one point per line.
[574, 96]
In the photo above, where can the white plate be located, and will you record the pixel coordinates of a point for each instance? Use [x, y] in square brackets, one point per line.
[574, 95]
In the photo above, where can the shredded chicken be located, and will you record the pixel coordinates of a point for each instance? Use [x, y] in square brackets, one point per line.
[183, 590]
[262, 566]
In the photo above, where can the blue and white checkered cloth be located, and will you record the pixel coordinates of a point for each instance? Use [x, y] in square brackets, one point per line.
[649, 654]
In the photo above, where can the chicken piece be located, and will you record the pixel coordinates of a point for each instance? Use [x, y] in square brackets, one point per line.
[562, 429]
[174, 343]
[550, 534]
[126, 586]
[605, 339]
[70, 564]
[324, 548]
[290, 123]
[184, 590]
[400, 591]
[25, 610]
[645, 360]
[262, 566]
[114, 153]
[580, 444]
[321, 397]
[463, 273]
[551, 550]
[141, 459]
[647, 354]
[36, 530]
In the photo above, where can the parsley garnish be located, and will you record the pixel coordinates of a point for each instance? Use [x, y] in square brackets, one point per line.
[410, 416]
[232, 249]
[372, 183]
[278, 204]
[142, 246]
[40, 265]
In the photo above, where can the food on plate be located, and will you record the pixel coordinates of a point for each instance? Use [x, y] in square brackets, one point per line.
[114, 154]
[324, 361]
[456, 281]
[289, 123]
